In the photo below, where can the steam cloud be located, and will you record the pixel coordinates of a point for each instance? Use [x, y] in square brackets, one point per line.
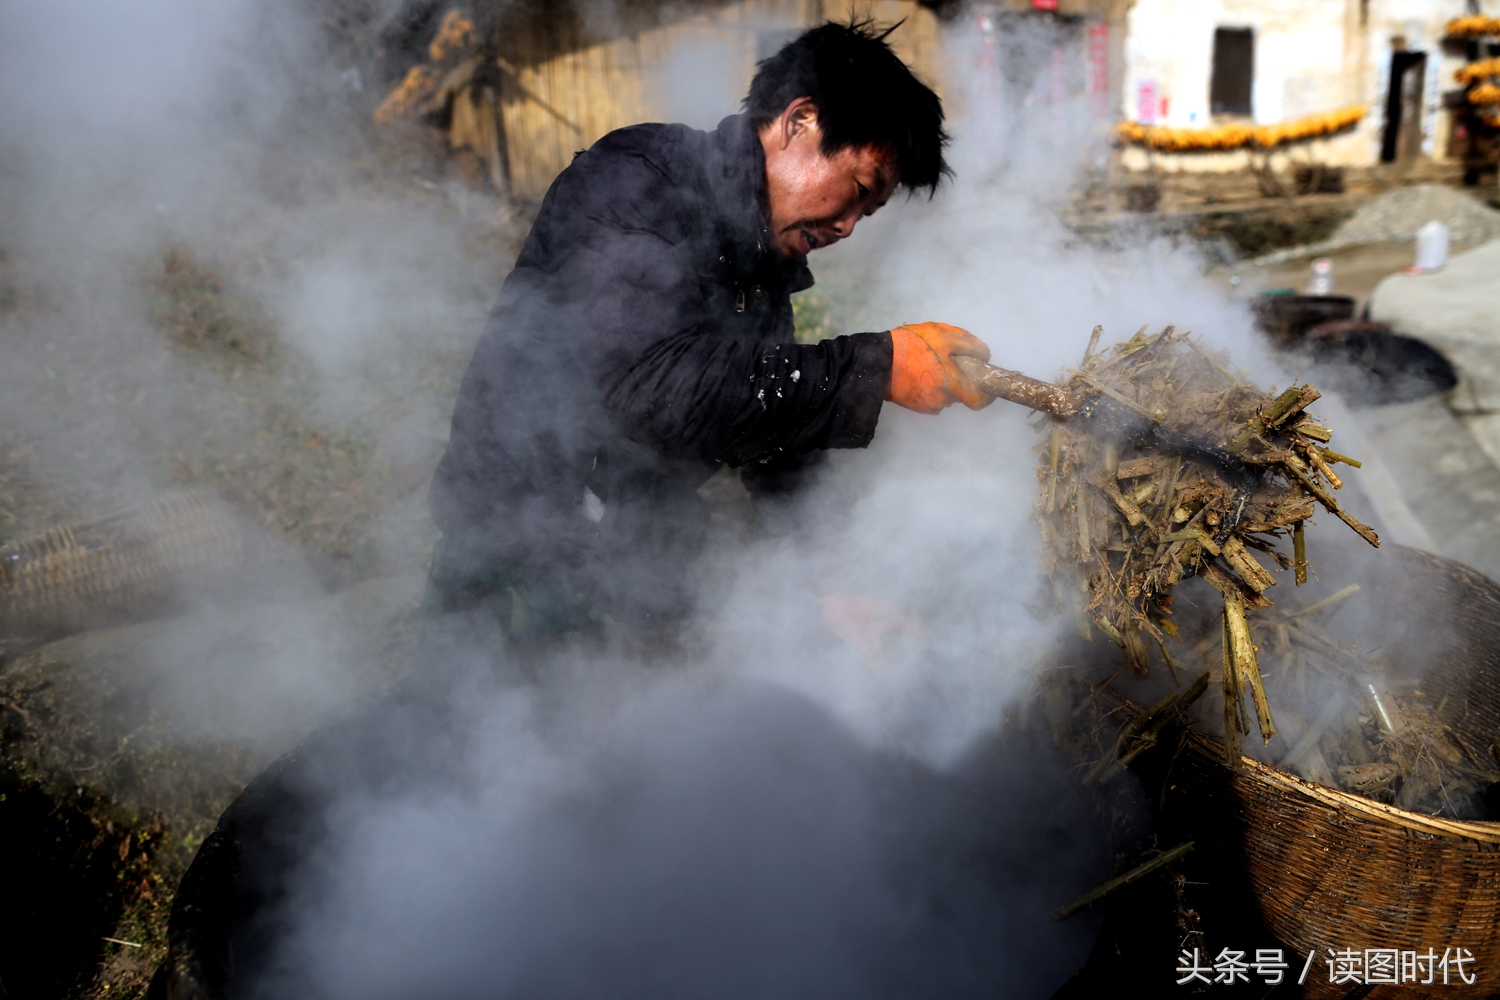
[784, 815]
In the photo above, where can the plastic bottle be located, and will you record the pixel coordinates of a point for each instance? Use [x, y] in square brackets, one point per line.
[1432, 247]
[1320, 281]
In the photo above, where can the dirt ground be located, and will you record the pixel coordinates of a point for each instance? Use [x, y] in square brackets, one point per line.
[1356, 272]
[108, 782]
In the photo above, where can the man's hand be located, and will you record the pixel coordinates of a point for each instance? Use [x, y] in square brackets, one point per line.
[923, 375]
[870, 623]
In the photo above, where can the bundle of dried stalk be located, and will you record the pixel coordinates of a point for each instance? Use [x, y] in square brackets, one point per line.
[1374, 733]
[1205, 471]
[1353, 719]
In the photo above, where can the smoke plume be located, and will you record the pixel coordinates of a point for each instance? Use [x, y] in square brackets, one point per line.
[781, 811]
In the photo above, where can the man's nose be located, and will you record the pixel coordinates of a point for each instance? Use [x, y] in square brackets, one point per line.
[843, 226]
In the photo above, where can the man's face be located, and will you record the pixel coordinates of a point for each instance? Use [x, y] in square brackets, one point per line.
[816, 199]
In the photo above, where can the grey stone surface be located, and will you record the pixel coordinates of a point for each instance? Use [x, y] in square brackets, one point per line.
[1446, 479]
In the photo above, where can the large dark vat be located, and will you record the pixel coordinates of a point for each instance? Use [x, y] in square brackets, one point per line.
[1367, 363]
[1315, 866]
[1287, 318]
[1370, 364]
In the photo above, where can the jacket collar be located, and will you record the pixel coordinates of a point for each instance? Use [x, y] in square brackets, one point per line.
[746, 200]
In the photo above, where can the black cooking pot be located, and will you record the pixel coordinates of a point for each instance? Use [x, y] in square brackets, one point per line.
[1370, 364]
[1287, 318]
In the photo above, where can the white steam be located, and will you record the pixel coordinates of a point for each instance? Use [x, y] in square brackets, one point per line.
[789, 814]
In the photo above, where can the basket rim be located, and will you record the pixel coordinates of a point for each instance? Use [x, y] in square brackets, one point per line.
[1484, 831]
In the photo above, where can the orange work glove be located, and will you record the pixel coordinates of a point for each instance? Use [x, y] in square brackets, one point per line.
[870, 623]
[923, 375]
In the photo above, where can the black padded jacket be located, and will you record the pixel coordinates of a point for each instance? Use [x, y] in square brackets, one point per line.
[643, 339]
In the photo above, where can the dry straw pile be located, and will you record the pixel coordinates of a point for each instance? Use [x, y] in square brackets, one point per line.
[1193, 472]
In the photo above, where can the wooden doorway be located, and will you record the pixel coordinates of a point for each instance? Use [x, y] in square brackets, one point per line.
[1403, 106]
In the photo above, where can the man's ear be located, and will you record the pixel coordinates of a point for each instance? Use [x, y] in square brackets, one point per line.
[800, 117]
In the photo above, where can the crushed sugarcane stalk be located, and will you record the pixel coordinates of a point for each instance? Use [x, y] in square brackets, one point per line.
[1234, 717]
[1147, 738]
[1245, 664]
[1376, 734]
[1332, 456]
[1166, 654]
[1163, 464]
[1329, 601]
[1121, 881]
[1326, 718]
[1161, 710]
[1332, 506]
[1056, 443]
[1094, 336]
[1299, 552]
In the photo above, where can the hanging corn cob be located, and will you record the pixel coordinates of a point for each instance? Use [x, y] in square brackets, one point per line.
[1472, 26]
[1239, 135]
[1484, 93]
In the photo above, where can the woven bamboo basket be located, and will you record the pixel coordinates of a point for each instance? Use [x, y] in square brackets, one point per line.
[130, 564]
[1329, 869]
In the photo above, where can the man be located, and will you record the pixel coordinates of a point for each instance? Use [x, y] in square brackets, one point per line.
[644, 339]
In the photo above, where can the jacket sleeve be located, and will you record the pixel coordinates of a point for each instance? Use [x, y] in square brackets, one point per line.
[741, 401]
[667, 374]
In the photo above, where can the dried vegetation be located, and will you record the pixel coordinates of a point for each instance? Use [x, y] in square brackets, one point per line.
[191, 302]
[1375, 733]
[1212, 478]
[1217, 479]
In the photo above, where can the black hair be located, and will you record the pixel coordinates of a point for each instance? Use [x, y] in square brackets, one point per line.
[865, 96]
